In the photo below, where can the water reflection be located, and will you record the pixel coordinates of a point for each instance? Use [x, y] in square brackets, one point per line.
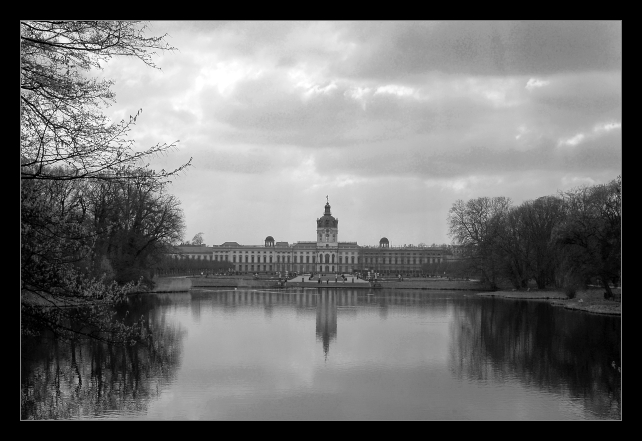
[326, 320]
[326, 303]
[556, 350]
[66, 380]
[323, 302]
[297, 353]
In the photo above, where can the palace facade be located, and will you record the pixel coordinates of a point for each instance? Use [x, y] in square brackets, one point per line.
[324, 255]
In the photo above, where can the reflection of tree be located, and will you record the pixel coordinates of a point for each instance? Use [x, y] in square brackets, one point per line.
[551, 348]
[62, 380]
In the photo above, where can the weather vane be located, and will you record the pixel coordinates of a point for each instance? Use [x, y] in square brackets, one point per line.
[326, 199]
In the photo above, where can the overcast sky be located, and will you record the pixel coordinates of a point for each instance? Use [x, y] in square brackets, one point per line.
[393, 121]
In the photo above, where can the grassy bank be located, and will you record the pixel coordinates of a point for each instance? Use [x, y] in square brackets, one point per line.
[407, 283]
[433, 283]
[590, 300]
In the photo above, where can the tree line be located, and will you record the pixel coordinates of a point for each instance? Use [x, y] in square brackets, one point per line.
[94, 218]
[567, 241]
[174, 265]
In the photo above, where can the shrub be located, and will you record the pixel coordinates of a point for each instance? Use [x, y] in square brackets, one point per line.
[570, 291]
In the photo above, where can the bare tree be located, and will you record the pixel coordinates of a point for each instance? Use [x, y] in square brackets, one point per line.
[67, 146]
[591, 233]
[475, 225]
[514, 245]
[198, 239]
[61, 104]
[539, 219]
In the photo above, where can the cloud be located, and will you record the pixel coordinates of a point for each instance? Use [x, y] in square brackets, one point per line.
[411, 114]
[607, 127]
[574, 140]
[533, 83]
[392, 50]
[395, 90]
[598, 131]
[598, 94]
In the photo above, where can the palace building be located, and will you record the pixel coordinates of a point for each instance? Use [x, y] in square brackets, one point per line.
[324, 255]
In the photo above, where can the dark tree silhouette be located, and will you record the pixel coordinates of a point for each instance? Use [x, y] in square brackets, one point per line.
[68, 150]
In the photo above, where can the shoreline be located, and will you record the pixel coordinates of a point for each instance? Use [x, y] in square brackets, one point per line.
[188, 282]
[590, 300]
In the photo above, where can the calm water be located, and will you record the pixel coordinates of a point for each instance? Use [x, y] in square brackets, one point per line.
[335, 355]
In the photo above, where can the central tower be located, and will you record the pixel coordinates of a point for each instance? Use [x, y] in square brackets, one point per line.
[327, 229]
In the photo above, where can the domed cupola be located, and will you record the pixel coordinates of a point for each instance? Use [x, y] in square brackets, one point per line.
[269, 241]
[327, 227]
[327, 220]
[383, 243]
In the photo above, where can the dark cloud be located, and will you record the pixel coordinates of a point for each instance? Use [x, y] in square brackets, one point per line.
[597, 152]
[267, 110]
[418, 114]
[591, 95]
[392, 51]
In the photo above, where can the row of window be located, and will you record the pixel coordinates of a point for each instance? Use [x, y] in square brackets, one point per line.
[278, 252]
[399, 260]
[279, 259]
[327, 258]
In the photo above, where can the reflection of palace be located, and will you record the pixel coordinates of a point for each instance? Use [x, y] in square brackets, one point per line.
[325, 302]
[328, 304]
[325, 255]
[326, 319]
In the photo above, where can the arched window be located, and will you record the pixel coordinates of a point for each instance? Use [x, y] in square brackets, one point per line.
[327, 258]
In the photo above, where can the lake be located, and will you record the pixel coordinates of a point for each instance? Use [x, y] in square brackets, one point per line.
[334, 354]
